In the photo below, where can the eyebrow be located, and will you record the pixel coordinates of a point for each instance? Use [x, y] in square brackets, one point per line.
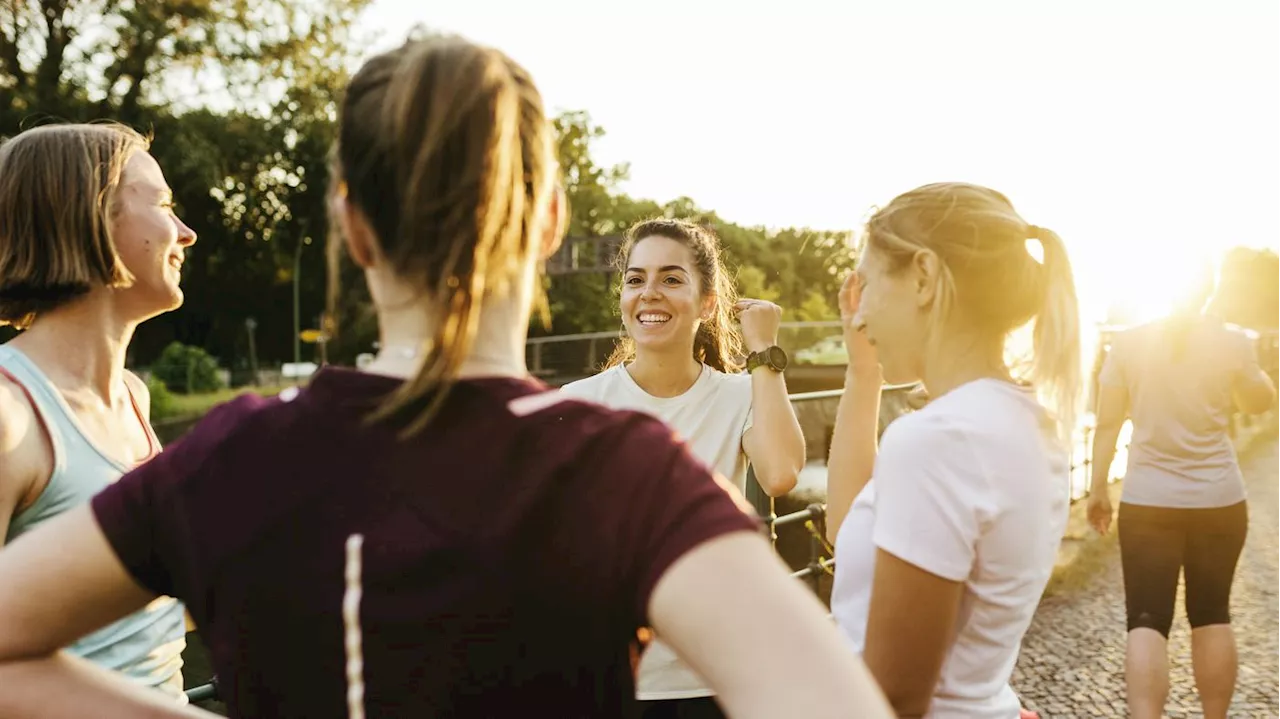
[664, 268]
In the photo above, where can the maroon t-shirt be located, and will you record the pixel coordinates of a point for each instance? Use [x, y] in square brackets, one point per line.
[510, 549]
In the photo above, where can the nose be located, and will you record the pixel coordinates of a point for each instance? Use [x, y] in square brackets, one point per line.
[651, 291]
[186, 235]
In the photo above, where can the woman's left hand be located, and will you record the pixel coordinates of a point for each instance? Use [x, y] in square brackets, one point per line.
[760, 322]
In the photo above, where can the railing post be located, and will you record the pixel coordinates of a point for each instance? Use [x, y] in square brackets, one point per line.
[762, 503]
[816, 549]
[591, 356]
[537, 359]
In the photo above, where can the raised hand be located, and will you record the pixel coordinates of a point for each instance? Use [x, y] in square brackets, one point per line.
[862, 354]
[760, 322]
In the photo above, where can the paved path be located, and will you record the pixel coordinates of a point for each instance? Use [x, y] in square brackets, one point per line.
[1072, 662]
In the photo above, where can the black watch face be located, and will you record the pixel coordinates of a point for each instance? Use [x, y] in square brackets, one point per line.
[776, 358]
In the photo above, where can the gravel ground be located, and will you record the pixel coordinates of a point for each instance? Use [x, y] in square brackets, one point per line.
[1072, 662]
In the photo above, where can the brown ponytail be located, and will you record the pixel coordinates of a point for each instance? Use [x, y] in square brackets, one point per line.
[444, 146]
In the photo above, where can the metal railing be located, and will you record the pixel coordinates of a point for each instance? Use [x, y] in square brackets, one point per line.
[552, 355]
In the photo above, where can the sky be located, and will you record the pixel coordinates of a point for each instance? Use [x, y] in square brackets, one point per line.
[1145, 132]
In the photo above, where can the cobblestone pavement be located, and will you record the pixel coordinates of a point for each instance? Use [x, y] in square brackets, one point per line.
[1072, 661]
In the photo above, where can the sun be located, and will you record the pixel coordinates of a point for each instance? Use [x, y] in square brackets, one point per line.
[1149, 293]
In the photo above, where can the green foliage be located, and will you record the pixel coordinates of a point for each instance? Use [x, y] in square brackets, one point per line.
[800, 269]
[186, 369]
[162, 401]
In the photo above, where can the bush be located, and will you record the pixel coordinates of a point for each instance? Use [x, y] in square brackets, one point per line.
[186, 370]
[162, 402]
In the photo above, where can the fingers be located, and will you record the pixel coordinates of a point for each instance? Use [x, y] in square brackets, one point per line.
[850, 294]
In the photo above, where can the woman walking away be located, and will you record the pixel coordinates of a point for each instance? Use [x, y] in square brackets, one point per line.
[436, 535]
[90, 248]
[1182, 507]
[679, 364]
[945, 537]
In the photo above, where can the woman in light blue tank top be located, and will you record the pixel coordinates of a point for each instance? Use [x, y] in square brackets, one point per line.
[89, 248]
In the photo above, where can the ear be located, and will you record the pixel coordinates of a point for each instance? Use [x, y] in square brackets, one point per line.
[926, 268]
[556, 225]
[356, 231]
[709, 306]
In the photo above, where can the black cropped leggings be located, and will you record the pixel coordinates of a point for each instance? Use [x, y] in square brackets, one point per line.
[1158, 543]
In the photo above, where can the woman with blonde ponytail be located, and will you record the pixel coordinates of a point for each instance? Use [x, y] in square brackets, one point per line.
[945, 535]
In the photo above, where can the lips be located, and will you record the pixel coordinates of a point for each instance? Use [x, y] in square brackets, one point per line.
[175, 262]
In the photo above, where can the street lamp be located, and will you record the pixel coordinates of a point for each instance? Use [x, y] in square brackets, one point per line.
[251, 324]
[297, 321]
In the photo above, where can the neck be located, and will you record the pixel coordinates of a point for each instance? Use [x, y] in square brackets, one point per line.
[961, 360]
[405, 336]
[665, 374]
[82, 346]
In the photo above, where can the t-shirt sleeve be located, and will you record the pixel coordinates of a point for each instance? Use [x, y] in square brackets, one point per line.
[1112, 373]
[143, 515]
[930, 491]
[662, 503]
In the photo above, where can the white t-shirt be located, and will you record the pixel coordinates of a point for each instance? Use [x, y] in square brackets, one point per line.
[974, 488]
[711, 417]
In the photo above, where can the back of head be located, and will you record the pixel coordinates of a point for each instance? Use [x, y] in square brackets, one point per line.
[718, 343]
[1188, 309]
[990, 279]
[58, 188]
[444, 146]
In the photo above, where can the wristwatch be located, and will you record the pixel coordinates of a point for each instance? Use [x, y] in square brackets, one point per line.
[773, 357]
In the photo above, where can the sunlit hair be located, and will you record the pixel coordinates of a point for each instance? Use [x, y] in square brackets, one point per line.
[1188, 308]
[444, 145]
[989, 276]
[58, 187]
[718, 343]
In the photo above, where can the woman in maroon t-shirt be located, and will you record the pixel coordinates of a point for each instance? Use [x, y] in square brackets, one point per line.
[437, 535]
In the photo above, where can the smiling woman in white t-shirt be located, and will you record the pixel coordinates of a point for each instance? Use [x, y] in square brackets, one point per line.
[945, 537]
[678, 363]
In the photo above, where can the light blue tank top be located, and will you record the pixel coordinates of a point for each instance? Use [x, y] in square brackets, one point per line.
[148, 644]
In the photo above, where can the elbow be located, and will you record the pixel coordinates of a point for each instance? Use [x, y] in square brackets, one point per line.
[777, 481]
[907, 702]
[1258, 402]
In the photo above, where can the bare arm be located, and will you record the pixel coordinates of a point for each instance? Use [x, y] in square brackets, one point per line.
[853, 445]
[1113, 410]
[775, 442]
[910, 627]
[853, 442]
[22, 447]
[57, 584]
[1251, 388]
[794, 664]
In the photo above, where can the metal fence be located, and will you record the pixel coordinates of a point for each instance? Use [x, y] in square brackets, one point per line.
[581, 355]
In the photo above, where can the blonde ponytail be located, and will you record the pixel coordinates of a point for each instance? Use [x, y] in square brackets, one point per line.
[1055, 366]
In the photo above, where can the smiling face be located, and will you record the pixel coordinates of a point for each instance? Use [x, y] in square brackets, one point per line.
[894, 314]
[149, 238]
[662, 300]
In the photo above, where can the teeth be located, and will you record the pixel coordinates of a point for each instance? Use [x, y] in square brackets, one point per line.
[653, 318]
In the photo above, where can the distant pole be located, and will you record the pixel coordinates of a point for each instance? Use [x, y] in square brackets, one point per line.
[251, 324]
[297, 321]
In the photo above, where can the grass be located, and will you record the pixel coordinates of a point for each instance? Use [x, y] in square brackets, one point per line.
[194, 405]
